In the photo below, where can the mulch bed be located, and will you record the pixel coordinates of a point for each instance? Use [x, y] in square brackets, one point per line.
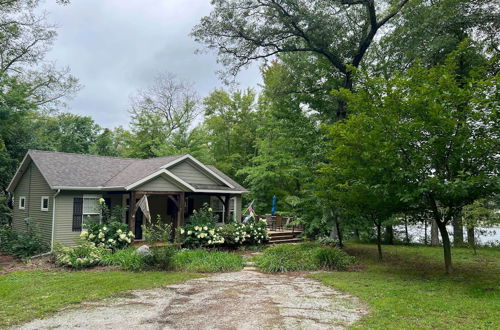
[9, 264]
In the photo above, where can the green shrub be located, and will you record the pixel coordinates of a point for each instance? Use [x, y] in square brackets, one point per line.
[22, 245]
[157, 231]
[303, 257]
[207, 262]
[203, 217]
[112, 235]
[78, 257]
[161, 257]
[328, 241]
[195, 236]
[126, 259]
[332, 259]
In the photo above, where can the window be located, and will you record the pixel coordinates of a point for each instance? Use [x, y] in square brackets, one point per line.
[22, 203]
[44, 205]
[85, 209]
[91, 205]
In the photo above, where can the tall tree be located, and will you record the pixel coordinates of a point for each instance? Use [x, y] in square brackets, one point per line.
[442, 124]
[230, 123]
[167, 107]
[341, 32]
[25, 38]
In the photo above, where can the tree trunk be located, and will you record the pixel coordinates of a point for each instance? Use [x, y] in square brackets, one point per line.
[458, 231]
[342, 110]
[434, 234]
[471, 239]
[389, 235]
[407, 237]
[356, 234]
[379, 240]
[446, 246]
[339, 233]
[425, 234]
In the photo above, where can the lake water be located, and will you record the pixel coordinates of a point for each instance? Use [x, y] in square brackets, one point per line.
[484, 235]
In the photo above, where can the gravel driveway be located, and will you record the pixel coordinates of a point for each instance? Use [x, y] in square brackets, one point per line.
[241, 300]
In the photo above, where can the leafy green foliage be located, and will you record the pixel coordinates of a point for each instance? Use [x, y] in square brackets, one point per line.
[81, 256]
[303, 257]
[207, 261]
[22, 245]
[113, 235]
[157, 232]
[126, 259]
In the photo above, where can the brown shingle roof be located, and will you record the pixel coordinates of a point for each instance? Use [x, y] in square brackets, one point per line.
[62, 169]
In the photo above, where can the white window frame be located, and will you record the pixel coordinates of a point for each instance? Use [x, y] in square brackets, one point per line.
[96, 212]
[22, 206]
[45, 209]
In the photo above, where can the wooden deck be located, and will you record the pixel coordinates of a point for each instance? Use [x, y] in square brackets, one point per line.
[284, 236]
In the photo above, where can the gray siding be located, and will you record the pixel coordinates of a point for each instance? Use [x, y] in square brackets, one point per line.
[189, 173]
[33, 186]
[158, 184]
[64, 233]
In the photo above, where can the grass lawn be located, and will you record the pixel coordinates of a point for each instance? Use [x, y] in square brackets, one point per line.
[26, 295]
[409, 289]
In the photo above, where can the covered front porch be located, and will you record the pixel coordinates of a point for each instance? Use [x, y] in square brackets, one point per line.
[175, 208]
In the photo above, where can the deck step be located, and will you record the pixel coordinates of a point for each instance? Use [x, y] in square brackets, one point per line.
[289, 240]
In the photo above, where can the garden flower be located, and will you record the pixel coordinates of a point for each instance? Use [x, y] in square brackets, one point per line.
[182, 231]
[209, 242]
[130, 234]
[119, 231]
[101, 235]
[123, 237]
[205, 228]
[210, 209]
[101, 201]
[91, 236]
[189, 232]
[84, 234]
[104, 228]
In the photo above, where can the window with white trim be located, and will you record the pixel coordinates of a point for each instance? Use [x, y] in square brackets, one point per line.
[22, 202]
[91, 205]
[44, 203]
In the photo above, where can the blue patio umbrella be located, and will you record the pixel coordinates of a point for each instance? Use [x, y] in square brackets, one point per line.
[273, 210]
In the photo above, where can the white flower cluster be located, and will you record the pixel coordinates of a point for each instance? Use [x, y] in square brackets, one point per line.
[203, 235]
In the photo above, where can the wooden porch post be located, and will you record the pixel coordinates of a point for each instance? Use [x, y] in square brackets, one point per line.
[131, 213]
[225, 214]
[180, 209]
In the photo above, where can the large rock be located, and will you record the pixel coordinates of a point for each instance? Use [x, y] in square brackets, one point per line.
[144, 250]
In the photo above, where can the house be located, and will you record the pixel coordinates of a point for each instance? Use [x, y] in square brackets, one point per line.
[56, 192]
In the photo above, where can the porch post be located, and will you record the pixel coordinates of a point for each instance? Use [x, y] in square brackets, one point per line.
[225, 214]
[180, 209]
[131, 213]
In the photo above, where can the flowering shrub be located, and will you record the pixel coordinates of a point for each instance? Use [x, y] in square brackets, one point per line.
[199, 235]
[112, 235]
[78, 257]
[203, 216]
[232, 234]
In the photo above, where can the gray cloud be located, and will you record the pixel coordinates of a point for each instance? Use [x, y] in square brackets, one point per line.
[118, 46]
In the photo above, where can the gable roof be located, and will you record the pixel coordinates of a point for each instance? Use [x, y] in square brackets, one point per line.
[68, 171]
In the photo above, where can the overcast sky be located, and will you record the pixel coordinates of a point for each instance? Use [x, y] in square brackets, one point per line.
[115, 47]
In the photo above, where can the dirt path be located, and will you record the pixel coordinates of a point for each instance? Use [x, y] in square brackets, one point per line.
[241, 300]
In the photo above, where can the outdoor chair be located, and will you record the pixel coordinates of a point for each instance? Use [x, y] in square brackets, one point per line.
[279, 222]
[270, 222]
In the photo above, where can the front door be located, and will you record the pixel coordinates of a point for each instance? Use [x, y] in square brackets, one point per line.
[138, 224]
